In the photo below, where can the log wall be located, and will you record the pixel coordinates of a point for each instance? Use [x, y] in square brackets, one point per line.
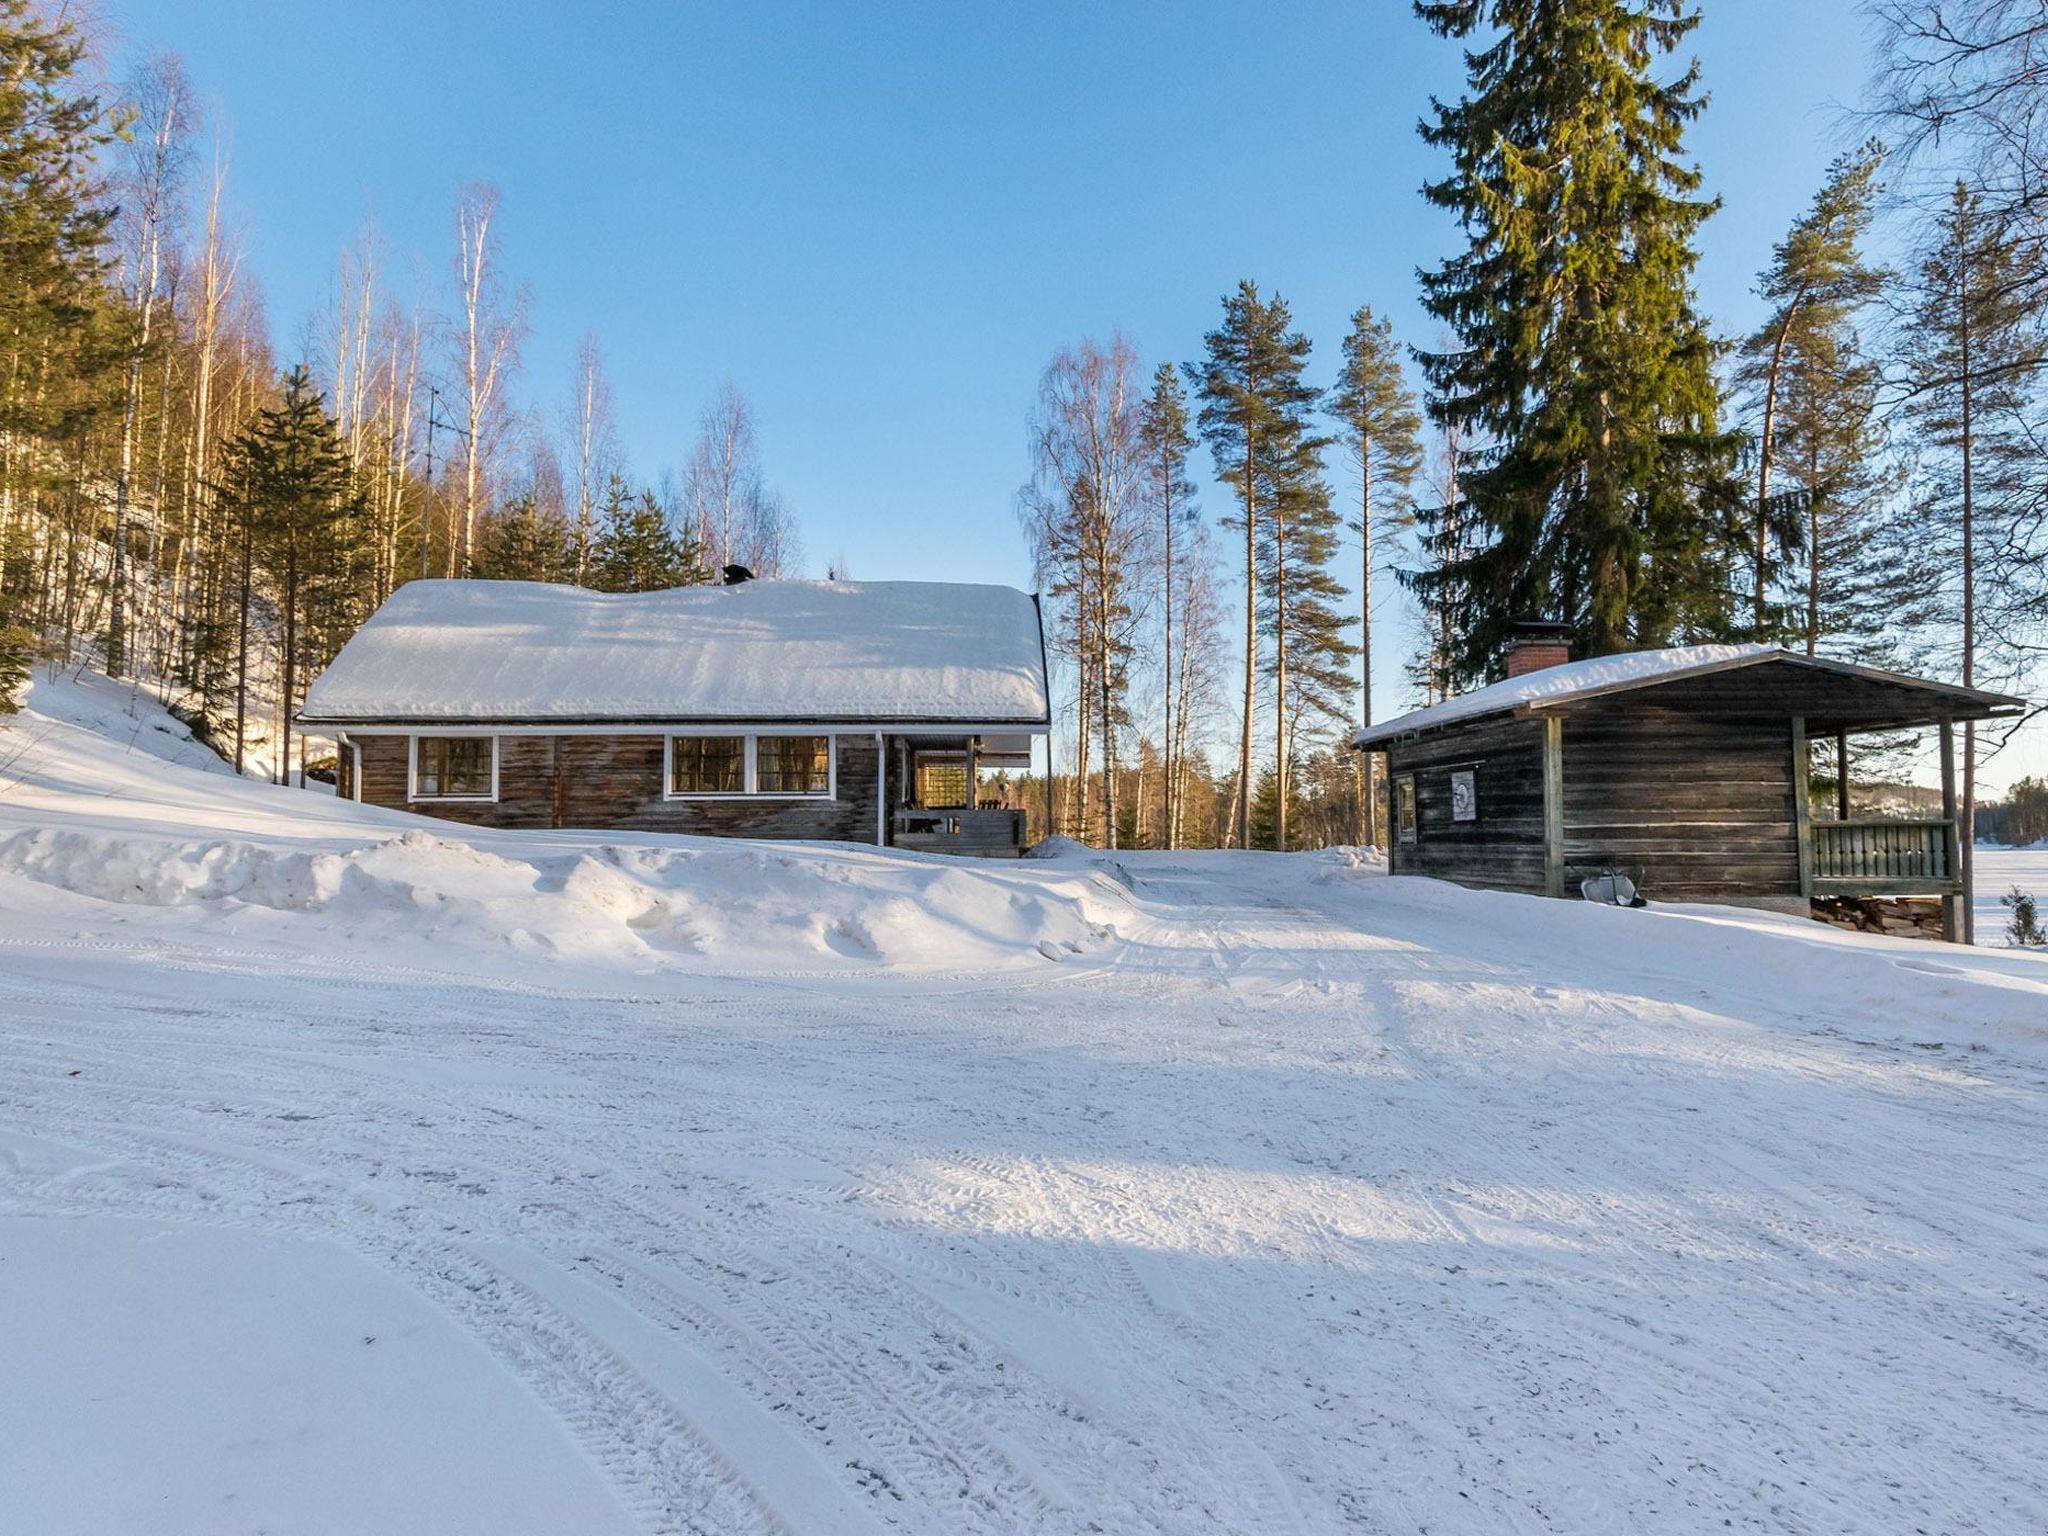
[1503, 849]
[1700, 804]
[615, 782]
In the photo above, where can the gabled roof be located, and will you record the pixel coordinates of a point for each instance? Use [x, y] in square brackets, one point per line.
[519, 652]
[1576, 682]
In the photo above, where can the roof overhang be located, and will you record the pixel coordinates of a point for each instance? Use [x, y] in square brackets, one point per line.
[1830, 695]
[642, 726]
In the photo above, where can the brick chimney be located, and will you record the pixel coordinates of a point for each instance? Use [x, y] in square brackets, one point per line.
[1536, 644]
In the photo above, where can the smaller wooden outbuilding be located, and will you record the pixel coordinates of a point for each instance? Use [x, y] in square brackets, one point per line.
[1687, 770]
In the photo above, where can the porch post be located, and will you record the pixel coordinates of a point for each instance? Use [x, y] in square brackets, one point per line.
[1553, 805]
[881, 791]
[1951, 910]
[1802, 804]
[1841, 775]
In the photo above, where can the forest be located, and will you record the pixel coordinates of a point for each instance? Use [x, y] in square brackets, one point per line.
[1864, 475]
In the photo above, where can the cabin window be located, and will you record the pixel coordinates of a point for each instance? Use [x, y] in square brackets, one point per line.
[454, 767]
[942, 782]
[707, 765]
[792, 765]
[1404, 807]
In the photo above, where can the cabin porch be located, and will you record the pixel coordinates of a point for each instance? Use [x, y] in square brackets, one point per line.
[938, 803]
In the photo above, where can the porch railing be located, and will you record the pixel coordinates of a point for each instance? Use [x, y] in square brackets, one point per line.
[987, 832]
[1884, 858]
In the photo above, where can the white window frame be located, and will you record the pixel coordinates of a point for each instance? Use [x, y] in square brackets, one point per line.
[412, 770]
[748, 777]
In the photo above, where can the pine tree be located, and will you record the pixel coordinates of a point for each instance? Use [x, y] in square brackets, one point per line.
[55, 335]
[639, 549]
[1804, 367]
[1255, 417]
[1378, 422]
[1974, 350]
[1602, 493]
[1167, 443]
[526, 543]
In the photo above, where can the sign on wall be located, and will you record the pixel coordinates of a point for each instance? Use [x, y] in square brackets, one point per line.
[1464, 794]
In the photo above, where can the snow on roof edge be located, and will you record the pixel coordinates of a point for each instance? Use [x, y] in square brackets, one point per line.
[1628, 670]
[470, 650]
[1621, 670]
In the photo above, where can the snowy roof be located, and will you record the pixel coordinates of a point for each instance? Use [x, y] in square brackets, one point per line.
[1576, 680]
[519, 651]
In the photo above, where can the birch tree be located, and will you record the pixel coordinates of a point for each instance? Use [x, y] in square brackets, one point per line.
[488, 331]
[1167, 443]
[154, 163]
[1086, 509]
[593, 440]
[724, 470]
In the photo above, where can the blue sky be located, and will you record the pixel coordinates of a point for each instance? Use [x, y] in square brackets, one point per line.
[880, 220]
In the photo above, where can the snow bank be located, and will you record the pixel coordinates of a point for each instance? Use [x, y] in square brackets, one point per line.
[744, 905]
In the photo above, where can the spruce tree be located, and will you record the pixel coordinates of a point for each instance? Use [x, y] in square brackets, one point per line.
[640, 549]
[1602, 491]
[1256, 408]
[17, 654]
[1804, 368]
[525, 542]
[299, 506]
[1378, 422]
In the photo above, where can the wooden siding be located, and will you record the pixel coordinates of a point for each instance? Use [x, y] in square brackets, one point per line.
[1503, 848]
[1700, 805]
[615, 782]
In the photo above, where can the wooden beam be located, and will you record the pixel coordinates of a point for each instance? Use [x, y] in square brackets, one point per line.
[1841, 775]
[1802, 804]
[1951, 906]
[1553, 805]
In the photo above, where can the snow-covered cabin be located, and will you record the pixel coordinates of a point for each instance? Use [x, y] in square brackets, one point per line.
[854, 711]
[1686, 769]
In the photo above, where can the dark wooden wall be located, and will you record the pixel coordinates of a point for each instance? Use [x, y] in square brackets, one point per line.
[604, 782]
[1503, 849]
[1701, 804]
[1698, 805]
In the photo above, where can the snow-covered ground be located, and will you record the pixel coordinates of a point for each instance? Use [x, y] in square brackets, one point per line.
[360, 1175]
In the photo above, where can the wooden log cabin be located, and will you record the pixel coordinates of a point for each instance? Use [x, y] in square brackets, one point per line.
[1687, 770]
[846, 711]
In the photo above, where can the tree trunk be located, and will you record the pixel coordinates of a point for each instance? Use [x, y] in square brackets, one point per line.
[1166, 669]
[1966, 843]
[1281, 765]
[1362, 762]
[242, 651]
[1242, 814]
[1763, 458]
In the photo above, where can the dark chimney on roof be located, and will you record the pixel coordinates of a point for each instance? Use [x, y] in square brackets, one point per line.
[735, 574]
[1535, 644]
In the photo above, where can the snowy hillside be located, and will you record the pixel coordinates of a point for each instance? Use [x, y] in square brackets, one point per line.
[362, 1173]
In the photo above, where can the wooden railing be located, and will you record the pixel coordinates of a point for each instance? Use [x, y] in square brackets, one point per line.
[1880, 858]
[987, 832]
